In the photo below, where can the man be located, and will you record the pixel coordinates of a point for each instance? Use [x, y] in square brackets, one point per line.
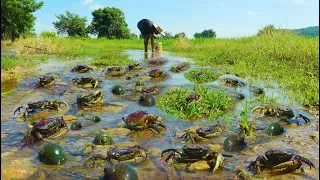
[149, 30]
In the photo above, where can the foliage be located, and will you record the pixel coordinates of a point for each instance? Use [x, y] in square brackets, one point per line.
[180, 35]
[141, 36]
[206, 34]
[268, 30]
[71, 24]
[212, 105]
[17, 19]
[48, 34]
[312, 31]
[109, 23]
[133, 36]
[207, 75]
[167, 35]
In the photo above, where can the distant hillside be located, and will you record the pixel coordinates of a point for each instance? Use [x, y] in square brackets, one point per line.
[311, 31]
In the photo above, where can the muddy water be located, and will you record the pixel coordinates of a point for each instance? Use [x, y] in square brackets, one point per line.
[76, 142]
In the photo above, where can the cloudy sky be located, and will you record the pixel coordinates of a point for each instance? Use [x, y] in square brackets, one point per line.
[229, 18]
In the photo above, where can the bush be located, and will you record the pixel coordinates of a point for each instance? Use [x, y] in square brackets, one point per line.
[48, 34]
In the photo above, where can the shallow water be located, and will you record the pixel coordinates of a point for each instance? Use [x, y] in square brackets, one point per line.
[74, 142]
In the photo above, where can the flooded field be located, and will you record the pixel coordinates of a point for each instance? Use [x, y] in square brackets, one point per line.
[79, 145]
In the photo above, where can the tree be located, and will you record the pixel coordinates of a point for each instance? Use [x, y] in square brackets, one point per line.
[180, 35]
[167, 35]
[205, 34]
[268, 30]
[48, 34]
[71, 24]
[141, 36]
[133, 36]
[17, 18]
[110, 23]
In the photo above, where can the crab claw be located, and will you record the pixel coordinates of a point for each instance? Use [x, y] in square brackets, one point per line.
[98, 94]
[95, 83]
[257, 110]
[302, 159]
[173, 153]
[64, 103]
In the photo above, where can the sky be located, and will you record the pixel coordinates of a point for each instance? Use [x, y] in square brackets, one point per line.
[229, 18]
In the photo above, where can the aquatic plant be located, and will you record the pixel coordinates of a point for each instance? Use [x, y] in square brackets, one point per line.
[202, 75]
[213, 103]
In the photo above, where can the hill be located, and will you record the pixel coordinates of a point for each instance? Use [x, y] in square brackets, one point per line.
[311, 31]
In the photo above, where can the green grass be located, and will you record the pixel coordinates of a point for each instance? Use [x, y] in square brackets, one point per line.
[290, 60]
[212, 105]
[207, 76]
[9, 61]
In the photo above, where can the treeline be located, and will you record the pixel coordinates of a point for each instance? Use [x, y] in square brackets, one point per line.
[18, 21]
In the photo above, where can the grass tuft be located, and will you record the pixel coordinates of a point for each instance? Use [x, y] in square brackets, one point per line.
[212, 105]
[206, 75]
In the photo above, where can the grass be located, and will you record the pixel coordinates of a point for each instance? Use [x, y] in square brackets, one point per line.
[206, 76]
[290, 60]
[11, 61]
[212, 105]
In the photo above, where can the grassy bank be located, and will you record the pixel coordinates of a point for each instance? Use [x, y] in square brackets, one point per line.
[292, 61]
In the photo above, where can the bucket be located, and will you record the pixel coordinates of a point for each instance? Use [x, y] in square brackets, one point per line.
[158, 46]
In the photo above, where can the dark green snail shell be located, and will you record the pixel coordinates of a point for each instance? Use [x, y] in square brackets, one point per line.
[52, 154]
[118, 90]
[121, 172]
[147, 100]
[274, 129]
[103, 138]
[75, 126]
[234, 143]
[95, 119]
[240, 96]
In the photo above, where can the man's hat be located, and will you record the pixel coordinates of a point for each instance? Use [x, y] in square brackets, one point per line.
[159, 29]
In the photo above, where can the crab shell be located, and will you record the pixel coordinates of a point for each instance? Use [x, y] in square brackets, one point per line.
[114, 71]
[90, 98]
[137, 119]
[49, 128]
[81, 68]
[156, 73]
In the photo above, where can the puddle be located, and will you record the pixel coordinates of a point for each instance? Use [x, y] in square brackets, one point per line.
[74, 142]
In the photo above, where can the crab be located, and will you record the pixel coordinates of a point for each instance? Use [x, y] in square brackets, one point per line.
[158, 74]
[147, 89]
[284, 113]
[45, 81]
[86, 81]
[47, 128]
[193, 97]
[128, 153]
[114, 71]
[180, 67]
[40, 105]
[134, 67]
[194, 152]
[140, 120]
[312, 109]
[232, 82]
[89, 99]
[156, 62]
[279, 162]
[205, 132]
[81, 69]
